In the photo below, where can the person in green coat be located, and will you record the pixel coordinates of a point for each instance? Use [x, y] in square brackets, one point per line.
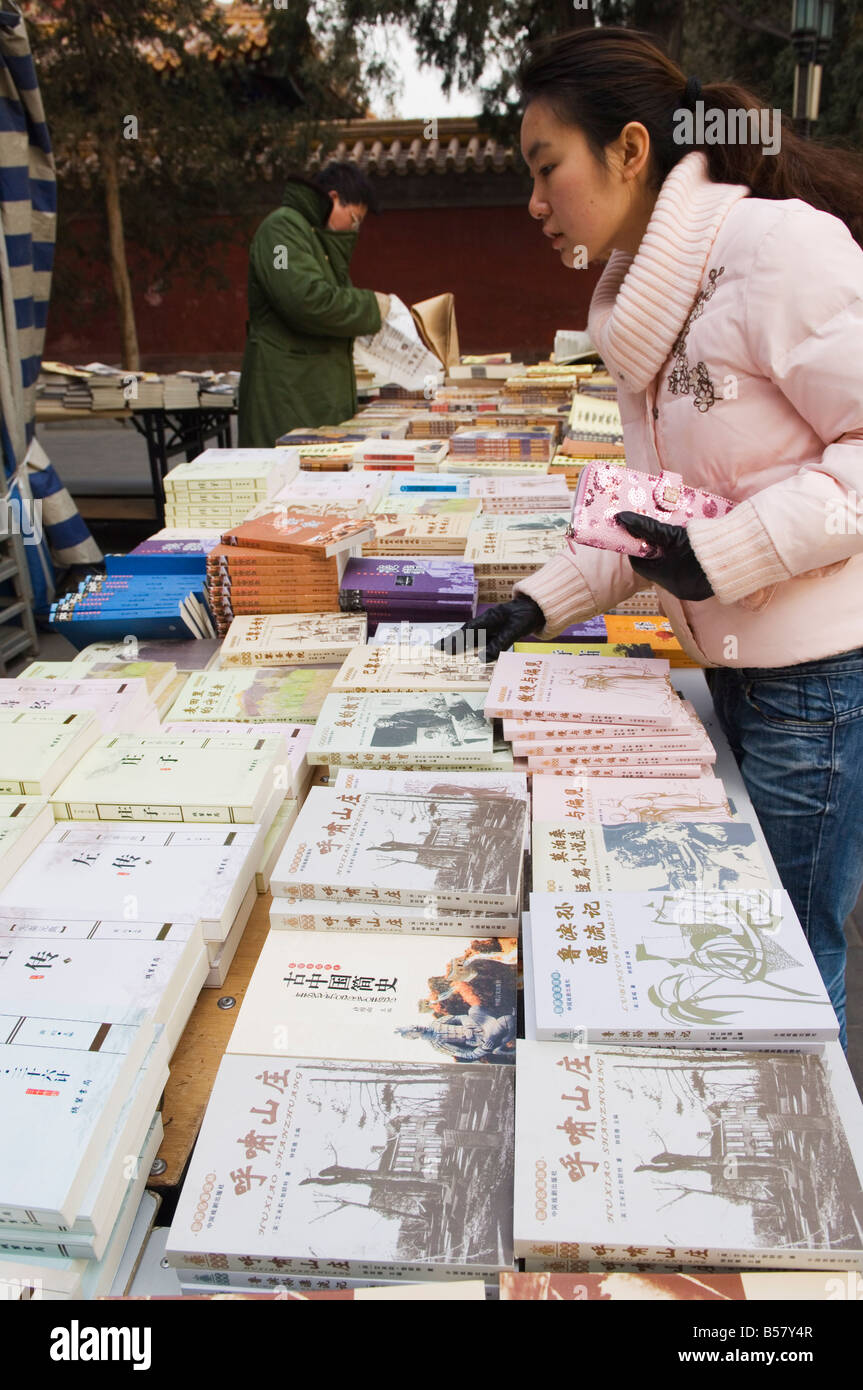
[304, 313]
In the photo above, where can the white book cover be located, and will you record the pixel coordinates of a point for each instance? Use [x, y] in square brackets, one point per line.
[274, 843]
[288, 638]
[374, 917]
[370, 1169]
[24, 821]
[292, 774]
[391, 848]
[271, 467]
[134, 874]
[639, 857]
[392, 728]
[158, 676]
[617, 800]
[172, 777]
[621, 690]
[382, 999]
[680, 969]
[88, 1234]
[738, 1160]
[111, 981]
[38, 748]
[59, 1106]
[121, 706]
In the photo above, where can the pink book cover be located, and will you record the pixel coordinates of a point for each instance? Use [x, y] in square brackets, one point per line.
[696, 749]
[619, 800]
[616, 690]
[121, 706]
[616, 767]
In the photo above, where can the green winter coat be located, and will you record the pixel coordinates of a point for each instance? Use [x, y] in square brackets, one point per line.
[303, 316]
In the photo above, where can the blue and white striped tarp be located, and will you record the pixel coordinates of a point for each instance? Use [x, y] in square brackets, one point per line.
[28, 223]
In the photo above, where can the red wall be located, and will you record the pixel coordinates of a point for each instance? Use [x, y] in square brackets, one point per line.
[510, 288]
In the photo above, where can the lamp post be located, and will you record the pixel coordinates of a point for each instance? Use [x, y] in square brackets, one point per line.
[811, 32]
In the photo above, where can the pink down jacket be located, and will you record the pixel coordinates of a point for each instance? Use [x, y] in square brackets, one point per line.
[735, 336]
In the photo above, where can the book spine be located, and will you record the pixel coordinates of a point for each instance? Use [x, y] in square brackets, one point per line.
[355, 1269]
[407, 926]
[394, 897]
[565, 1257]
[108, 811]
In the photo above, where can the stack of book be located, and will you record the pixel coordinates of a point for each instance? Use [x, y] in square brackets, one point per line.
[513, 496]
[501, 450]
[143, 882]
[399, 455]
[426, 503]
[255, 695]
[612, 716]
[398, 533]
[422, 589]
[120, 706]
[220, 486]
[183, 656]
[405, 729]
[355, 493]
[39, 746]
[504, 549]
[297, 639]
[383, 666]
[137, 596]
[287, 561]
[162, 679]
[181, 391]
[426, 485]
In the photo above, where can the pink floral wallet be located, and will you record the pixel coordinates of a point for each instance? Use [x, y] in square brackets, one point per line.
[604, 489]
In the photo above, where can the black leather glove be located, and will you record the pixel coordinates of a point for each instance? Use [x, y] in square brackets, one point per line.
[675, 568]
[502, 624]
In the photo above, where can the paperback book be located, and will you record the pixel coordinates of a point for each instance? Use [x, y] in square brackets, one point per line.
[353, 916]
[647, 857]
[170, 777]
[134, 882]
[455, 852]
[377, 1170]
[38, 748]
[271, 694]
[24, 821]
[618, 800]
[672, 1157]
[631, 690]
[292, 639]
[446, 730]
[382, 999]
[378, 668]
[679, 969]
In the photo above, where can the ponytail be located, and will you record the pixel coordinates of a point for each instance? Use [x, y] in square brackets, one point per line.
[600, 79]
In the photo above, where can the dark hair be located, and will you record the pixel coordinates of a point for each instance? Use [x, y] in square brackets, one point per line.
[599, 79]
[349, 182]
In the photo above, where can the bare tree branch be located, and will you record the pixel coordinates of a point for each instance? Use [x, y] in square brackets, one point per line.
[744, 21]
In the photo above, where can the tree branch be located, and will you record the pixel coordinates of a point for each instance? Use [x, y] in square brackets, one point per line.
[744, 21]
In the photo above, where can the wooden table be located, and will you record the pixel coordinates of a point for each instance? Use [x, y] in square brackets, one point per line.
[200, 1050]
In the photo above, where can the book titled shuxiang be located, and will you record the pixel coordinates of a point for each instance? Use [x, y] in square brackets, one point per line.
[677, 969]
[403, 728]
[677, 1158]
[251, 696]
[112, 873]
[618, 800]
[292, 639]
[374, 1169]
[661, 856]
[459, 852]
[381, 999]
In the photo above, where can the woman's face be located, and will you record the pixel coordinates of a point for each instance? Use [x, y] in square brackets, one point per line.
[580, 203]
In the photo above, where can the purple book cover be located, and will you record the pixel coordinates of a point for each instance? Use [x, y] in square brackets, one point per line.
[194, 546]
[408, 578]
[592, 629]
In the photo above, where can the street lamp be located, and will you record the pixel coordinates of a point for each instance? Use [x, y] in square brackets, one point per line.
[811, 32]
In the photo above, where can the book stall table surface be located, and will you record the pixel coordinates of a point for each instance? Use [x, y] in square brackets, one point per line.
[167, 432]
[202, 1045]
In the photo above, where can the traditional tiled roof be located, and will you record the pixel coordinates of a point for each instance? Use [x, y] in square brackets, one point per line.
[445, 146]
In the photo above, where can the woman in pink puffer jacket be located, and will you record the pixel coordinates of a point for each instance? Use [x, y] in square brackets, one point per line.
[730, 315]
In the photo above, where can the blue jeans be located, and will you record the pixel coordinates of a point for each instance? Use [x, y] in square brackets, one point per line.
[797, 733]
